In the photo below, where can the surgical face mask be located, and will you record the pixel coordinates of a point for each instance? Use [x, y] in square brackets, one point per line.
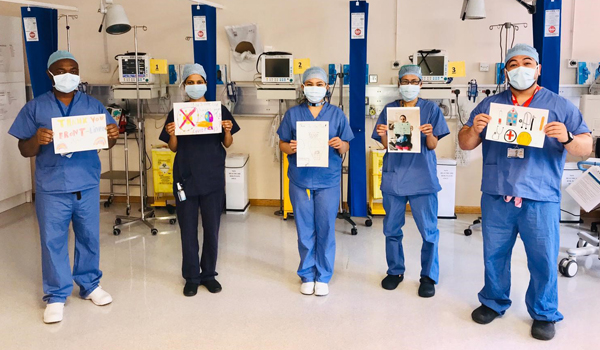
[66, 83]
[522, 78]
[195, 92]
[315, 94]
[409, 92]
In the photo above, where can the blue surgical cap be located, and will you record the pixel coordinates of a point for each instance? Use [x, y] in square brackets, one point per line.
[410, 69]
[522, 50]
[60, 55]
[190, 69]
[315, 72]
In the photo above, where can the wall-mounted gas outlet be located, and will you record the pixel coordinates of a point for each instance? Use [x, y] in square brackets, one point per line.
[105, 68]
[484, 67]
[572, 63]
[396, 65]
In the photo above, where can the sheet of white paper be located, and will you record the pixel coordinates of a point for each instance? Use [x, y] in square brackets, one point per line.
[586, 189]
[404, 135]
[31, 29]
[313, 144]
[197, 118]
[358, 26]
[517, 125]
[200, 28]
[79, 133]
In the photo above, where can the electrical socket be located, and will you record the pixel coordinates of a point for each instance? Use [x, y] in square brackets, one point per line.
[105, 68]
[396, 65]
[572, 63]
[484, 67]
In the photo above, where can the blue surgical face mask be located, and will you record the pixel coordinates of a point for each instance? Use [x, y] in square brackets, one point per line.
[315, 94]
[66, 83]
[522, 78]
[195, 92]
[409, 92]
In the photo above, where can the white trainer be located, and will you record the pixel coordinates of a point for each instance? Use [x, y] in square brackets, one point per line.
[307, 288]
[54, 312]
[99, 297]
[321, 289]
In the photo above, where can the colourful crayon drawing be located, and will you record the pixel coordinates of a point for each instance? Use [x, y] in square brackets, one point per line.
[197, 118]
[100, 141]
[208, 121]
[79, 133]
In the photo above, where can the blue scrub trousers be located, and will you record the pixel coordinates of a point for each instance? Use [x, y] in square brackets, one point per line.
[55, 212]
[315, 217]
[424, 209]
[538, 225]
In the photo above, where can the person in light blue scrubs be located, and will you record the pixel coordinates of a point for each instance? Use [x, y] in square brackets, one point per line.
[315, 191]
[67, 188]
[521, 193]
[412, 178]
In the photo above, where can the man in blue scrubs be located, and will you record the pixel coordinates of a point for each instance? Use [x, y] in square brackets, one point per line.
[67, 188]
[412, 177]
[521, 193]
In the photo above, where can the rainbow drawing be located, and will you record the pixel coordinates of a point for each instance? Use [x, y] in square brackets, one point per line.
[100, 141]
[61, 147]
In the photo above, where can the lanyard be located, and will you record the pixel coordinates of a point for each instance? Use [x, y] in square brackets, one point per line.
[528, 102]
[62, 111]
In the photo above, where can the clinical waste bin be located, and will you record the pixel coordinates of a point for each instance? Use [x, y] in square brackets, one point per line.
[569, 209]
[446, 171]
[236, 182]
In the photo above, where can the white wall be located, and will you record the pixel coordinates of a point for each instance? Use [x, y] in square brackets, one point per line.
[317, 29]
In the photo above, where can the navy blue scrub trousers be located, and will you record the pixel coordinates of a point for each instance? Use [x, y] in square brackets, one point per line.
[210, 207]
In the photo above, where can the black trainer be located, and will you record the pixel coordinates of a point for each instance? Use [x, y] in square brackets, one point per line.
[427, 287]
[390, 282]
[543, 330]
[213, 286]
[484, 315]
[190, 289]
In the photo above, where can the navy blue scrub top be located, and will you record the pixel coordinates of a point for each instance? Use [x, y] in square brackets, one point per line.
[53, 172]
[200, 160]
[538, 175]
[411, 174]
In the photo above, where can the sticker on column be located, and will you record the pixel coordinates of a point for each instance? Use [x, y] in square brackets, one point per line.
[31, 29]
[200, 28]
[358, 25]
[552, 23]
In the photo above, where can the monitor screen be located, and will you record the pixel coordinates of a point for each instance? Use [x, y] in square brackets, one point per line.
[433, 65]
[277, 68]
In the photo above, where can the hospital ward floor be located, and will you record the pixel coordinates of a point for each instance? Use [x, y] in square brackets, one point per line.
[261, 307]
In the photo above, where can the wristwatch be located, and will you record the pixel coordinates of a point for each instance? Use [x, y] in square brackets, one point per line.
[569, 140]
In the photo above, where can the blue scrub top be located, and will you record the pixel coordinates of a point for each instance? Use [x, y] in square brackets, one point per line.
[200, 160]
[410, 174]
[538, 175]
[309, 177]
[53, 172]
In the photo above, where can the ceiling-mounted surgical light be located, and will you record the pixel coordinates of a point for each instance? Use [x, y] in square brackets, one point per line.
[473, 9]
[117, 21]
[114, 17]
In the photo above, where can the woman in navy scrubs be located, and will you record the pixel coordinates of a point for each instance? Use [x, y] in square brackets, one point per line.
[315, 192]
[199, 168]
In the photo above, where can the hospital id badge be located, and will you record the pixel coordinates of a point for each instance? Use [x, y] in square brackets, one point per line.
[516, 153]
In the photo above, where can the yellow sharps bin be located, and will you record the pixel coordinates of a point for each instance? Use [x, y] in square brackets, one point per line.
[162, 169]
[374, 191]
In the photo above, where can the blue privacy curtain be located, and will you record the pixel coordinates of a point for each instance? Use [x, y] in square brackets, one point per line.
[205, 51]
[38, 51]
[357, 164]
